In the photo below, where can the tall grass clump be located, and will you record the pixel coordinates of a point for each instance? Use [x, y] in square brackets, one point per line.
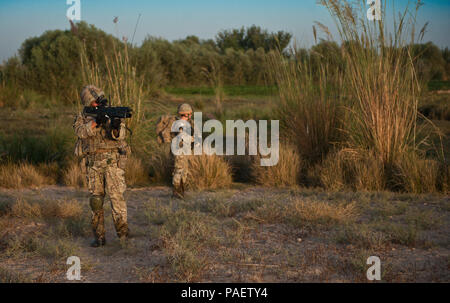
[348, 170]
[310, 99]
[161, 164]
[118, 78]
[21, 176]
[382, 81]
[54, 145]
[136, 172]
[75, 174]
[215, 78]
[416, 175]
[116, 73]
[285, 173]
[209, 172]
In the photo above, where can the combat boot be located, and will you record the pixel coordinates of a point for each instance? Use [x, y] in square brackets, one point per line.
[98, 242]
[122, 230]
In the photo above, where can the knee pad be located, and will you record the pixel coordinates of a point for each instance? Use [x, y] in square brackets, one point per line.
[96, 203]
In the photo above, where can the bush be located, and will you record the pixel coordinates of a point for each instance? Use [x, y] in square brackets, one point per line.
[136, 173]
[415, 175]
[309, 110]
[349, 169]
[241, 167]
[209, 172]
[74, 175]
[22, 175]
[55, 145]
[285, 173]
[161, 165]
[62, 209]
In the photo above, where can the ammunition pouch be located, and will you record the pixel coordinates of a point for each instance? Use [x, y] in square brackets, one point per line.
[124, 153]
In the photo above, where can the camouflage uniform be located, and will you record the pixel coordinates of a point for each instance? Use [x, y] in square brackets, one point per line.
[180, 168]
[180, 162]
[106, 152]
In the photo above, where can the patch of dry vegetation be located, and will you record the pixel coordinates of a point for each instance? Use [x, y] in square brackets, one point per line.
[136, 172]
[347, 169]
[43, 228]
[184, 235]
[46, 209]
[285, 173]
[317, 213]
[75, 175]
[9, 276]
[418, 175]
[209, 172]
[21, 176]
[307, 213]
[161, 164]
[356, 121]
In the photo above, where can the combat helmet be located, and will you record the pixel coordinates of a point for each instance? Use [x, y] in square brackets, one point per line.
[91, 93]
[184, 109]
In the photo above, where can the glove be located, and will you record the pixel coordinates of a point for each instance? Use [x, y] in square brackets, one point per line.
[115, 123]
[101, 118]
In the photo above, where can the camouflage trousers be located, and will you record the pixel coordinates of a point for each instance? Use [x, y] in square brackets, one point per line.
[180, 171]
[104, 176]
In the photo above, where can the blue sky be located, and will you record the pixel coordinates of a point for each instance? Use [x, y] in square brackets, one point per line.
[175, 19]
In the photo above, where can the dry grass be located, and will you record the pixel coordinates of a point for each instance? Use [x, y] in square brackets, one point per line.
[250, 235]
[382, 81]
[46, 209]
[61, 209]
[214, 76]
[22, 175]
[309, 110]
[318, 213]
[209, 172]
[285, 173]
[8, 276]
[348, 169]
[23, 209]
[120, 80]
[51, 171]
[309, 213]
[161, 164]
[184, 235]
[416, 175]
[365, 107]
[75, 175]
[361, 236]
[136, 173]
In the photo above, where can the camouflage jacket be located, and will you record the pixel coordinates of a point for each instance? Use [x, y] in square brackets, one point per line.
[92, 140]
[164, 128]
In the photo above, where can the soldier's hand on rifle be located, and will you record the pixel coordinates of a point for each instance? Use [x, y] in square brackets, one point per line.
[115, 123]
[101, 118]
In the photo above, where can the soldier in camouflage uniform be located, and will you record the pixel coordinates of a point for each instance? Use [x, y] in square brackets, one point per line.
[181, 164]
[103, 144]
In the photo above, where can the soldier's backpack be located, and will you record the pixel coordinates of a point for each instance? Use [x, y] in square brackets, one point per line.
[163, 128]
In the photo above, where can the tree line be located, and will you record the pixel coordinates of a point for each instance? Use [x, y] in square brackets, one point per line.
[50, 64]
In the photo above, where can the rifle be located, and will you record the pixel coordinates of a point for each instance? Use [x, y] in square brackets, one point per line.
[108, 111]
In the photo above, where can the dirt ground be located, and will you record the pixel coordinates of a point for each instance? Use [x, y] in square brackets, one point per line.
[244, 234]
